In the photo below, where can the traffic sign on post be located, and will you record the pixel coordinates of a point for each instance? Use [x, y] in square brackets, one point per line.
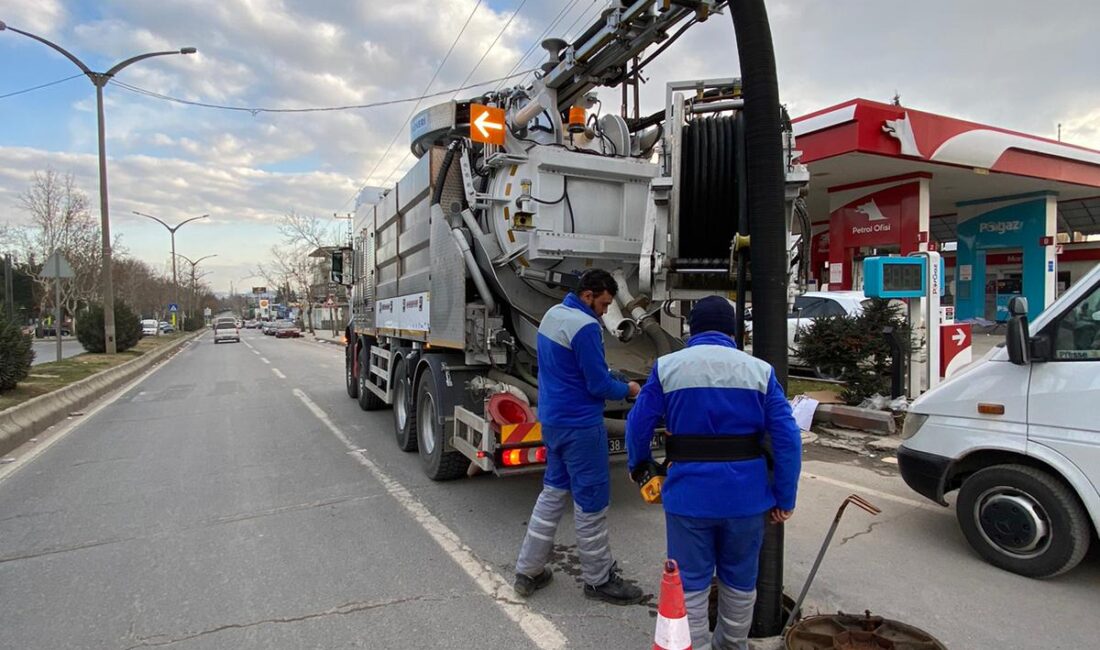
[173, 308]
[486, 124]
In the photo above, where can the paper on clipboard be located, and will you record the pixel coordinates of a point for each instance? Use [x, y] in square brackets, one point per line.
[803, 408]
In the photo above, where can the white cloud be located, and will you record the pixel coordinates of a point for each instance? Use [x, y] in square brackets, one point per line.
[1016, 64]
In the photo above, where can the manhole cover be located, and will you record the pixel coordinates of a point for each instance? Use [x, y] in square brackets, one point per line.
[846, 632]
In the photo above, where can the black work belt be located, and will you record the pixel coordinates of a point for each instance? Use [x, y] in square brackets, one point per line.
[712, 449]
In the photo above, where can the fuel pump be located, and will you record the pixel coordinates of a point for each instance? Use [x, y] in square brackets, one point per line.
[918, 279]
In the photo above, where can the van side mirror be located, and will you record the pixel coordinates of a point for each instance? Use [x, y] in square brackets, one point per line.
[1016, 339]
[1017, 306]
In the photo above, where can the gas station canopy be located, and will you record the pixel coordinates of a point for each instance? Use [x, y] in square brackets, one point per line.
[862, 140]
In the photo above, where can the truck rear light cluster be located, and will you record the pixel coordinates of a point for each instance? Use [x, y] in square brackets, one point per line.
[518, 457]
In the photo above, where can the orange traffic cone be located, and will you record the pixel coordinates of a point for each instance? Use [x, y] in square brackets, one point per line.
[673, 631]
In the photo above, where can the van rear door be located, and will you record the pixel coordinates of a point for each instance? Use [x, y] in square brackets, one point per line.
[1064, 400]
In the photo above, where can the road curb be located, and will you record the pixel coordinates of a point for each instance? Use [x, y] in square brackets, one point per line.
[23, 421]
[318, 339]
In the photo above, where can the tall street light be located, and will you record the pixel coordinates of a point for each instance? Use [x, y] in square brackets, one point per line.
[194, 281]
[172, 230]
[99, 80]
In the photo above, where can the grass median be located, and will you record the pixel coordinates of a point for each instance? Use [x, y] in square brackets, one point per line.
[48, 377]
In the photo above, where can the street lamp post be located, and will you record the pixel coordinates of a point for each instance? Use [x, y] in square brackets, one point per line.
[194, 264]
[99, 80]
[172, 230]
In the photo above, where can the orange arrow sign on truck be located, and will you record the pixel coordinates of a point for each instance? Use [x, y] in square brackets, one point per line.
[486, 124]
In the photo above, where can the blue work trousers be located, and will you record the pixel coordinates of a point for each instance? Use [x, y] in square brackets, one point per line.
[577, 461]
[731, 546]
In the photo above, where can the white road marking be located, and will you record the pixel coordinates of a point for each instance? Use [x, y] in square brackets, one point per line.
[863, 490]
[278, 373]
[264, 359]
[50, 437]
[542, 632]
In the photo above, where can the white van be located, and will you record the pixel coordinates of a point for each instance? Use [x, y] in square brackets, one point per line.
[1018, 437]
[150, 327]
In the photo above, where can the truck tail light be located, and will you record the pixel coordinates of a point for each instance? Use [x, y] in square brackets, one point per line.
[525, 456]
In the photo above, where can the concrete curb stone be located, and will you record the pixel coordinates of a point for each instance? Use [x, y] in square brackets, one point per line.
[23, 421]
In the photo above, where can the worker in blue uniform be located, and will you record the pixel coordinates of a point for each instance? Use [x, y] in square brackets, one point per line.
[574, 383]
[725, 414]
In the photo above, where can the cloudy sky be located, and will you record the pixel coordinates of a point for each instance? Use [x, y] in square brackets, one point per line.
[1018, 64]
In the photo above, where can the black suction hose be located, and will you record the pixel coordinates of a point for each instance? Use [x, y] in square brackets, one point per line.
[767, 227]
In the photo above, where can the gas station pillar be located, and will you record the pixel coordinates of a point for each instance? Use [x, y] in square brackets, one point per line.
[1025, 222]
[887, 213]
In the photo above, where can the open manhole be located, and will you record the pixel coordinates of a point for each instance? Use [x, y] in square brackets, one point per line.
[847, 632]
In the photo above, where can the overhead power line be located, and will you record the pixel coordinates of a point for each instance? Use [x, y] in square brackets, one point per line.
[428, 87]
[472, 70]
[318, 109]
[566, 8]
[52, 83]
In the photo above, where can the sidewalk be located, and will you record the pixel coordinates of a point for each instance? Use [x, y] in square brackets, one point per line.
[325, 337]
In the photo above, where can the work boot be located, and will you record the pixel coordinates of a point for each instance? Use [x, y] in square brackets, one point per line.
[525, 586]
[615, 591]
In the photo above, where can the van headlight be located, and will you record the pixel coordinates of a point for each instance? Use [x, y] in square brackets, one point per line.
[913, 423]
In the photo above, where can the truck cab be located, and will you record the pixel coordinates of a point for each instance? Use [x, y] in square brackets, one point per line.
[1016, 435]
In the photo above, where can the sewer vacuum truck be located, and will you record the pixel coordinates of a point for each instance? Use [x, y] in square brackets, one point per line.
[515, 193]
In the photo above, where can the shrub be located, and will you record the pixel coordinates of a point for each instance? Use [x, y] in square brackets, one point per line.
[16, 354]
[855, 349]
[194, 322]
[89, 328]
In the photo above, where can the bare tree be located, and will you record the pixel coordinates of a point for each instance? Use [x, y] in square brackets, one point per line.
[292, 264]
[60, 221]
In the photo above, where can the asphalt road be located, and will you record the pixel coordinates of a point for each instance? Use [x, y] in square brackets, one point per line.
[237, 498]
[45, 350]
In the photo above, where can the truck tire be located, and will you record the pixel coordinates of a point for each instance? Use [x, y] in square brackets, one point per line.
[368, 401]
[351, 382]
[404, 408]
[1023, 520]
[439, 464]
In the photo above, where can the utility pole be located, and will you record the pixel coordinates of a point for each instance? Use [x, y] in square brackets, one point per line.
[99, 80]
[9, 289]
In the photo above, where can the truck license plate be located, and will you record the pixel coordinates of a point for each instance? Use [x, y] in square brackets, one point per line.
[618, 445]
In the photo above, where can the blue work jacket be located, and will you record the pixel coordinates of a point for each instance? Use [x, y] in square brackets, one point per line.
[712, 388]
[574, 381]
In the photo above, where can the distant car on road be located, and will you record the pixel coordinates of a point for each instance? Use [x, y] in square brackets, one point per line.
[166, 327]
[268, 327]
[225, 329]
[287, 330]
[150, 327]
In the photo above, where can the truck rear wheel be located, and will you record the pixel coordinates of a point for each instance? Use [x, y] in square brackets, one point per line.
[1023, 520]
[351, 382]
[404, 409]
[368, 401]
[439, 464]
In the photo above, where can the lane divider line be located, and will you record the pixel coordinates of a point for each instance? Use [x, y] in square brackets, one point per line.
[542, 632]
[56, 433]
[863, 490]
[264, 359]
[278, 373]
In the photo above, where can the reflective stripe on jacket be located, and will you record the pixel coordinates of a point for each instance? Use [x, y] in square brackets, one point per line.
[712, 388]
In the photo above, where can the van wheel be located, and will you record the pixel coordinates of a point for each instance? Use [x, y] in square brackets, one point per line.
[351, 382]
[1023, 520]
[439, 464]
[368, 401]
[404, 409]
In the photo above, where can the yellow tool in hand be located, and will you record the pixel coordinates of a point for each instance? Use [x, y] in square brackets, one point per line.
[650, 476]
